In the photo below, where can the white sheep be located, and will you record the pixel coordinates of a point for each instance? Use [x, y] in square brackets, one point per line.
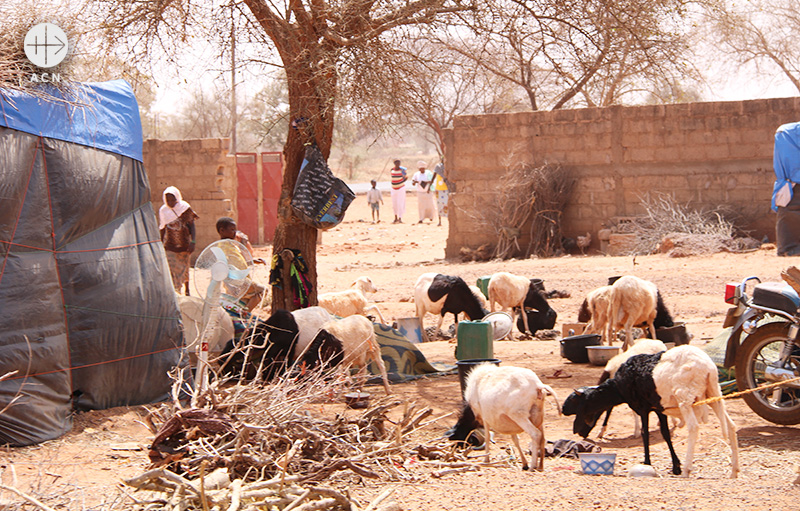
[357, 335]
[597, 303]
[632, 301]
[509, 290]
[350, 301]
[508, 400]
[640, 346]
[668, 383]
[191, 308]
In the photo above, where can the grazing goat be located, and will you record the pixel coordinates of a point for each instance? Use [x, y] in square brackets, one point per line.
[587, 312]
[350, 301]
[668, 383]
[354, 339]
[513, 291]
[309, 321]
[440, 294]
[640, 347]
[509, 400]
[597, 303]
[632, 301]
[267, 348]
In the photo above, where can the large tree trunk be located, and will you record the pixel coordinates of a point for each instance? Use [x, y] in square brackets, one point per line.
[311, 96]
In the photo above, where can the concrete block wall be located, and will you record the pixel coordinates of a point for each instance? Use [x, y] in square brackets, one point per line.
[705, 155]
[203, 172]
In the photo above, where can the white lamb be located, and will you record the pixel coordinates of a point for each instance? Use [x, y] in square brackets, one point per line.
[357, 335]
[509, 290]
[598, 302]
[632, 301]
[351, 301]
[509, 400]
[479, 295]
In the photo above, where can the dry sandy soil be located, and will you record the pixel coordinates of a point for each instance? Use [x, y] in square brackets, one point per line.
[85, 465]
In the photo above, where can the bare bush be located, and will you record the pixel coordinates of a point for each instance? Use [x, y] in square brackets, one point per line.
[529, 199]
[677, 229]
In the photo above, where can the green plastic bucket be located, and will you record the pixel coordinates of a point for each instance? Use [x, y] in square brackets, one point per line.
[483, 285]
[474, 340]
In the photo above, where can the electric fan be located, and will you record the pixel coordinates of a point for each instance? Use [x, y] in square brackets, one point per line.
[220, 277]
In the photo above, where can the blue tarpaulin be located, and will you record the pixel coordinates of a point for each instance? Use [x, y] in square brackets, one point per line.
[99, 115]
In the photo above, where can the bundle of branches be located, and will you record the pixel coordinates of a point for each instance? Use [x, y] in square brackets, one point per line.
[531, 198]
[671, 227]
[270, 447]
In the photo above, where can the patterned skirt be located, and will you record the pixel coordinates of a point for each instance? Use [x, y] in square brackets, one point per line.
[179, 263]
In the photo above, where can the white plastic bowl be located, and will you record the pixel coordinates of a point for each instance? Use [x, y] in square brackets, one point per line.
[598, 463]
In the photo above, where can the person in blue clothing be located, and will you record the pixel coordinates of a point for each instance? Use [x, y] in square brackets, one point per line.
[785, 193]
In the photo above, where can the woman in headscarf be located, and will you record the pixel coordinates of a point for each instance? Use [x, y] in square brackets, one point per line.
[176, 224]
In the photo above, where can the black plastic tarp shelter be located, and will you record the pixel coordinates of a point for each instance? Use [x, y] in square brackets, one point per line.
[88, 317]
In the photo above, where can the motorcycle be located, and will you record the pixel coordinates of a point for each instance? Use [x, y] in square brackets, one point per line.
[770, 351]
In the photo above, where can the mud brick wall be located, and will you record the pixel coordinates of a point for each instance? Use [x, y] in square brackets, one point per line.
[203, 172]
[705, 155]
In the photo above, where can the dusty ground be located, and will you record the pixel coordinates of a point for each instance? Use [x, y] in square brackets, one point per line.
[105, 446]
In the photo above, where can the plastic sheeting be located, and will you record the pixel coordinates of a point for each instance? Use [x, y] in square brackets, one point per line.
[89, 318]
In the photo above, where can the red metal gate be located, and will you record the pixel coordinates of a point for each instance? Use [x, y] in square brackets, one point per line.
[247, 195]
[271, 181]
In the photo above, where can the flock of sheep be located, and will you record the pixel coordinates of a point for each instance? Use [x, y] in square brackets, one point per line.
[510, 400]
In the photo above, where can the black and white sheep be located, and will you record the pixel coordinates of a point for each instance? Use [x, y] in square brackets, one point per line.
[442, 294]
[668, 383]
[520, 293]
[346, 342]
[351, 301]
[508, 400]
[265, 349]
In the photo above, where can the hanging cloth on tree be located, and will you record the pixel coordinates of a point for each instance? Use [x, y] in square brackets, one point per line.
[298, 270]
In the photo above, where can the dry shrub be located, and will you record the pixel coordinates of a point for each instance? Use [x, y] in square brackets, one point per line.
[677, 230]
[529, 199]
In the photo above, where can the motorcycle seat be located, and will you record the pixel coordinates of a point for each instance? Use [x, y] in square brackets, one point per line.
[776, 295]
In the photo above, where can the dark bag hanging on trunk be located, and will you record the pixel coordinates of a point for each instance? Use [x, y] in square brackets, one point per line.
[320, 199]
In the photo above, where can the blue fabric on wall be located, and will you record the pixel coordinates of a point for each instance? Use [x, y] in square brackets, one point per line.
[109, 120]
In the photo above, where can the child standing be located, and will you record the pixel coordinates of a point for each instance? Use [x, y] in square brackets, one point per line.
[374, 199]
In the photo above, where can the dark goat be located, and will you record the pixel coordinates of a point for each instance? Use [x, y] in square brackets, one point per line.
[442, 294]
[544, 317]
[325, 351]
[268, 344]
[633, 384]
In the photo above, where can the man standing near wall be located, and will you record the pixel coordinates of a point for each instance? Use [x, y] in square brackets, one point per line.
[785, 193]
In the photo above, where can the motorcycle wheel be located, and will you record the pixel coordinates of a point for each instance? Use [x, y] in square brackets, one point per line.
[780, 405]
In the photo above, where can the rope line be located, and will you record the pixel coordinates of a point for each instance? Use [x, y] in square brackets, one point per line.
[117, 313]
[104, 249]
[743, 392]
[84, 366]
